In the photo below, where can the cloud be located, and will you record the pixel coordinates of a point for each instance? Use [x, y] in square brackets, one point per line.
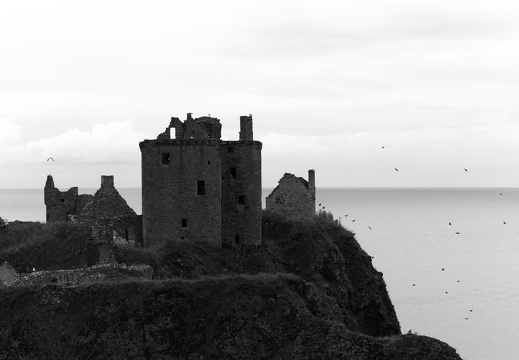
[435, 156]
[112, 143]
[10, 133]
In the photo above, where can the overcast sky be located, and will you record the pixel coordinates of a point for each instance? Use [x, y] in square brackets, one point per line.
[329, 83]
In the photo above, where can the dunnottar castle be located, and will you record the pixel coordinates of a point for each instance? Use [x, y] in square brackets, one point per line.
[195, 187]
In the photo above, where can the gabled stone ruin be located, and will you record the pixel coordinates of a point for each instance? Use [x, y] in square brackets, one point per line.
[106, 212]
[294, 197]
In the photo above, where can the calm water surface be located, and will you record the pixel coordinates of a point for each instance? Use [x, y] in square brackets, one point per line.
[411, 241]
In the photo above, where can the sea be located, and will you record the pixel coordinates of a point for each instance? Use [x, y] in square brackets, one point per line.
[449, 256]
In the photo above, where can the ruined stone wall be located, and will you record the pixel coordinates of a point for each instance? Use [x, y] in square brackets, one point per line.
[292, 198]
[96, 273]
[175, 203]
[59, 204]
[241, 193]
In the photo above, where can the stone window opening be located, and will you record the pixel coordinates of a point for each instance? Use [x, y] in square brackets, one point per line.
[62, 200]
[230, 149]
[208, 162]
[237, 239]
[241, 200]
[201, 187]
[165, 158]
[233, 172]
[184, 223]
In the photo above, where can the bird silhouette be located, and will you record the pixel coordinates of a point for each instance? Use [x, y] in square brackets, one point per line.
[450, 223]
[50, 159]
[396, 169]
[414, 285]
[458, 233]
[466, 318]
[319, 204]
[500, 194]
[466, 170]
[443, 269]
[345, 215]
[383, 147]
[353, 220]
[369, 227]
[504, 222]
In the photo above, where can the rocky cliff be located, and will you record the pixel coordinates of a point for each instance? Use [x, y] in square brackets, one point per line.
[309, 292]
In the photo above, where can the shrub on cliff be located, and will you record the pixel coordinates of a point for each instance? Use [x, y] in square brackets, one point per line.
[28, 245]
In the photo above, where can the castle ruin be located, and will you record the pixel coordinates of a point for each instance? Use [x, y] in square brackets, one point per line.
[197, 187]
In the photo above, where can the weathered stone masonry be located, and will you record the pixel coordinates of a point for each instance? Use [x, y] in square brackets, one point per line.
[199, 188]
[106, 211]
[294, 197]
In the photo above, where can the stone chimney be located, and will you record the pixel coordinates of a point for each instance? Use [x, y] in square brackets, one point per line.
[107, 181]
[311, 184]
[246, 128]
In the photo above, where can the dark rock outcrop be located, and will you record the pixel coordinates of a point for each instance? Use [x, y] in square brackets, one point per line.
[239, 317]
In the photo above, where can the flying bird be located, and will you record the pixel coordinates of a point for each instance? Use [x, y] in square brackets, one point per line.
[50, 159]
[458, 233]
[450, 223]
[369, 227]
[396, 169]
[504, 222]
[353, 220]
[466, 170]
[414, 285]
[443, 269]
[383, 147]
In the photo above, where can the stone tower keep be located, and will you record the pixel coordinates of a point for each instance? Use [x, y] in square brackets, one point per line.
[197, 187]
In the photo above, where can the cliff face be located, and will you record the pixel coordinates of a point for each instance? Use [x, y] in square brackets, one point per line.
[308, 292]
[242, 317]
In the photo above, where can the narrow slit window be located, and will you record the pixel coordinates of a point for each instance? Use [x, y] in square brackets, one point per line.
[241, 199]
[233, 172]
[184, 223]
[201, 187]
[237, 239]
[165, 158]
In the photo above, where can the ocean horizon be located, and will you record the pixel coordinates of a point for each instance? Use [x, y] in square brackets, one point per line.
[449, 255]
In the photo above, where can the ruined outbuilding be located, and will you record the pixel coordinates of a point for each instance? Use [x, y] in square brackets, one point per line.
[197, 187]
[106, 212]
[294, 197]
[8, 275]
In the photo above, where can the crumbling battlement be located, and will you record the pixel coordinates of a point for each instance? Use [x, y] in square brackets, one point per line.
[197, 187]
[62, 205]
[294, 197]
